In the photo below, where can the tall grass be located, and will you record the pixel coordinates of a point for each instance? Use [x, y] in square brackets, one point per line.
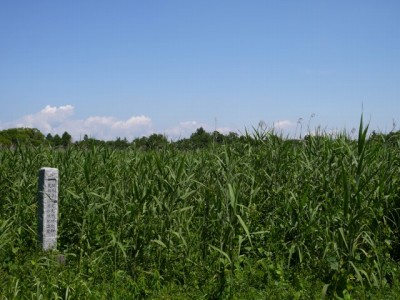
[267, 216]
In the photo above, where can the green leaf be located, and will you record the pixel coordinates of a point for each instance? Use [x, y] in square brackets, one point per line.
[159, 243]
[222, 252]
[245, 228]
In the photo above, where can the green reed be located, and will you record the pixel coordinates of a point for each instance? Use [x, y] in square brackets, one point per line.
[317, 217]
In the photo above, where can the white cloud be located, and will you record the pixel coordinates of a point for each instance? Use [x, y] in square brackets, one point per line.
[57, 113]
[283, 124]
[52, 119]
[132, 122]
[99, 120]
[46, 118]
[225, 130]
[57, 120]
[185, 129]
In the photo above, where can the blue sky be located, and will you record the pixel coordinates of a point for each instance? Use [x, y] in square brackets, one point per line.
[132, 68]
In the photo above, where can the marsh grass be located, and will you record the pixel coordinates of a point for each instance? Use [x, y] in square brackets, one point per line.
[268, 216]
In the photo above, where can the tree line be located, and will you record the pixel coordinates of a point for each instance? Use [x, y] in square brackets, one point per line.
[197, 140]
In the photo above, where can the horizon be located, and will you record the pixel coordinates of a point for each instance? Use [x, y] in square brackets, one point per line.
[300, 133]
[133, 69]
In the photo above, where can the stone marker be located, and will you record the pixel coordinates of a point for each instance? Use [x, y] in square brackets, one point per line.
[48, 208]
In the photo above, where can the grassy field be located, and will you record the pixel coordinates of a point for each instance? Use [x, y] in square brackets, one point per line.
[266, 218]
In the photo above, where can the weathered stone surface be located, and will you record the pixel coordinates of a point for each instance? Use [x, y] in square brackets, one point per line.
[48, 208]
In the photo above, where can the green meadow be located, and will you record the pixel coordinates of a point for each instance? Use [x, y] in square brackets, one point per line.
[264, 217]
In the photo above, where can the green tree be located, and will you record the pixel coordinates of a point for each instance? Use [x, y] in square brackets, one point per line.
[120, 143]
[156, 141]
[56, 140]
[231, 137]
[200, 138]
[66, 139]
[218, 137]
[29, 136]
[153, 142]
[49, 138]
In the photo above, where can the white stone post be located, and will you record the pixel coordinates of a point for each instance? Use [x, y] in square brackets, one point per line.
[48, 208]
